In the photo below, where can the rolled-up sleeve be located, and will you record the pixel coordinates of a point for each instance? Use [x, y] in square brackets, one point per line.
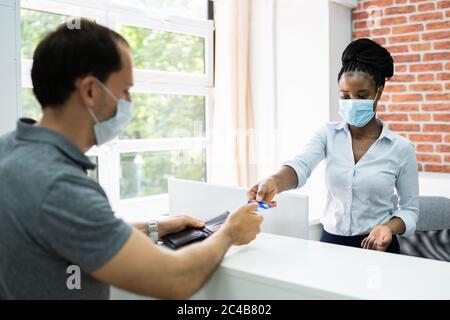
[310, 156]
[407, 186]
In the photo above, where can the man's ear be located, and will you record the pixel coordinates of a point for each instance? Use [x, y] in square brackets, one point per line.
[88, 91]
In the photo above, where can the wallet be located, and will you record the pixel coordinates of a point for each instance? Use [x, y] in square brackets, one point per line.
[182, 238]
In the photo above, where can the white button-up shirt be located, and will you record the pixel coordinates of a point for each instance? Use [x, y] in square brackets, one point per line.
[362, 195]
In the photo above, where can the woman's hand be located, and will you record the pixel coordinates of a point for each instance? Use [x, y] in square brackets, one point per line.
[283, 180]
[379, 238]
[264, 191]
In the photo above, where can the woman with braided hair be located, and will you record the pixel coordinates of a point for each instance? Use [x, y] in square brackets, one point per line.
[371, 172]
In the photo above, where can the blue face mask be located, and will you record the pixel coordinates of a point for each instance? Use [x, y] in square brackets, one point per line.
[111, 128]
[357, 112]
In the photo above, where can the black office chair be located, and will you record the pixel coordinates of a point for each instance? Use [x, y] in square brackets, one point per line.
[432, 237]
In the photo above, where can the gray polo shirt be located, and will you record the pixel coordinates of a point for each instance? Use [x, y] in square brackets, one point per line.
[52, 216]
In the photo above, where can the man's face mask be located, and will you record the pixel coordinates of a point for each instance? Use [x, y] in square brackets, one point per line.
[357, 112]
[111, 128]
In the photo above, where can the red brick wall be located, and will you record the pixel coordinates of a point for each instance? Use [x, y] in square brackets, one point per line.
[416, 101]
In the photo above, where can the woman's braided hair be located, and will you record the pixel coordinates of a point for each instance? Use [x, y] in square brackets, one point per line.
[369, 57]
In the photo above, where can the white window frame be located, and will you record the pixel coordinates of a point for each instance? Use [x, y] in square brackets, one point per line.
[199, 28]
[146, 81]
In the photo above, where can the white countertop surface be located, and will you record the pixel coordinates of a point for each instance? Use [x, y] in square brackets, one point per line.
[336, 271]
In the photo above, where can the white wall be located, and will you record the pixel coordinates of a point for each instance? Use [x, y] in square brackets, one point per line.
[299, 46]
[263, 82]
[302, 72]
[339, 36]
[9, 64]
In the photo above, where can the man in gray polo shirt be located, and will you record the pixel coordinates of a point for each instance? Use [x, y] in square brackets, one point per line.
[55, 221]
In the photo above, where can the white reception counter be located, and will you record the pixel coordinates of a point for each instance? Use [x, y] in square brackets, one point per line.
[278, 267]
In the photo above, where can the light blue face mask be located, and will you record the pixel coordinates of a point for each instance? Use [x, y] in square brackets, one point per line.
[357, 112]
[111, 128]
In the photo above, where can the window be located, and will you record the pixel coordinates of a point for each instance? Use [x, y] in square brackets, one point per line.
[146, 173]
[30, 107]
[34, 24]
[166, 51]
[172, 48]
[93, 173]
[159, 116]
[189, 8]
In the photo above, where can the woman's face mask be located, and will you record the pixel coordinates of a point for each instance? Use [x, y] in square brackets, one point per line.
[357, 112]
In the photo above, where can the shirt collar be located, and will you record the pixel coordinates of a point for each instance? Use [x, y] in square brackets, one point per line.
[341, 125]
[385, 132]
[26, 130]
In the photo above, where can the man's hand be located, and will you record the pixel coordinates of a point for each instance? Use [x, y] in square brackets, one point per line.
[243, 224]
[264, 191]
[172, 225]
[177, 223]
[379, 238]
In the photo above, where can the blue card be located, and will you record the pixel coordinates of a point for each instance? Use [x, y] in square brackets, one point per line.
[262, 206]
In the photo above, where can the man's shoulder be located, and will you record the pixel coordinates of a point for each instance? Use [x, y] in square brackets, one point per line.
[8, 135]
[35, 161]
[75, 184]
[7, 140]
[39, 167]
[73, 195]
